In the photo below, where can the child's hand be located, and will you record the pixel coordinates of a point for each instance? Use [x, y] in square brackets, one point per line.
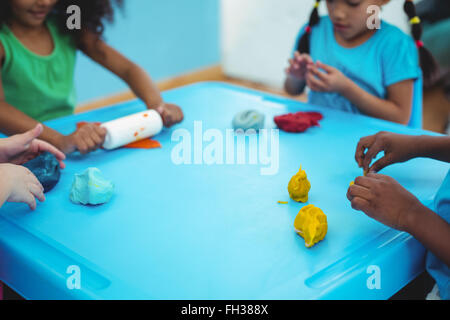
[298, 65]
[396, 147]
[21, 185]
[170, 113]
[24, 147]
[383, 199]
[332, 80]
[87, 138]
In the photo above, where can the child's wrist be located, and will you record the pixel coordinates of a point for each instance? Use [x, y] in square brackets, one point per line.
[155, 104]
[418, 146]
[412, 217]
[345, 87]
[6, 188]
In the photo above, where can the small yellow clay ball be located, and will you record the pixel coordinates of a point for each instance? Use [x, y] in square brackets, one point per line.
[311, 224]
[299, 187]
[352, 183]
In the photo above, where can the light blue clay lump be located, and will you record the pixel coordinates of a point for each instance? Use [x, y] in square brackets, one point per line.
[91, 188]
[249, 119]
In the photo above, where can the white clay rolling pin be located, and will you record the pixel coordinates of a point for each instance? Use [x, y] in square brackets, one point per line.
[132, 128]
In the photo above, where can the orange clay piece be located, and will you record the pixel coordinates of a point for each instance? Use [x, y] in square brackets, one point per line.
[83, 123]
[299, 186]
[144, 144]
[311, 224]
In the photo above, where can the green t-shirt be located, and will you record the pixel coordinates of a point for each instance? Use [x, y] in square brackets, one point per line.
[40, 86]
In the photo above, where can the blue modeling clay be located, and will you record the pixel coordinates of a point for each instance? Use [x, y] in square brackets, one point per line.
[46, 169]
[90, 187]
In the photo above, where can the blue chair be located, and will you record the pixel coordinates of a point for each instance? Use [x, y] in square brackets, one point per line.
[416, 114]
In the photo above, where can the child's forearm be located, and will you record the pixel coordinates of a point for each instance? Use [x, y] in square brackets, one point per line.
[431, 230]
[143, 87]
[294, 86]
[372, 105]
[14, 121]
[437, 148]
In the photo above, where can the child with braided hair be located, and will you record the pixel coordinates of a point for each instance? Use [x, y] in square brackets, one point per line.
[351, 66]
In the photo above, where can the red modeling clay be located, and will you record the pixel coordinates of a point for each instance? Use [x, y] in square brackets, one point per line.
[298, 122]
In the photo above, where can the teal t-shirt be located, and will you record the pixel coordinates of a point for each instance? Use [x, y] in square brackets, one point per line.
[388, 57]
[435, 267]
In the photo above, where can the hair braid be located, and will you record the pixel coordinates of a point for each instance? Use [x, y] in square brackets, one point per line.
[303, 45]
[427, 62]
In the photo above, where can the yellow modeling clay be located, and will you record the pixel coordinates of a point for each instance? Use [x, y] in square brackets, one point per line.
[299, 186]
[352, 183]
[283, 202]
[311, 224]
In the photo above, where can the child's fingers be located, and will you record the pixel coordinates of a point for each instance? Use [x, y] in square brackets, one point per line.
[86, 138]
[45, 146]
[29, 199]
[31, 178]
[81, 145]
[371, 153]
[37, 191]
[380, 164]
[97, 138]
[92, 136]
[363, 144]
[364, 181]
[325, 67]
[319, 74]
[314, 83]
[27, 137]
[308, 58]
[360, 204]
[359, 191]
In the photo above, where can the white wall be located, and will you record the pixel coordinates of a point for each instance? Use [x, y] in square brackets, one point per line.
[258, 35]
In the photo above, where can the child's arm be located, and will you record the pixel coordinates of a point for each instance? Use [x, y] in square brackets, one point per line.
[396, 108]
[136, 78]
[14, 121]
[400, 148]
[296, 73]
[385, 200]
[19, 185]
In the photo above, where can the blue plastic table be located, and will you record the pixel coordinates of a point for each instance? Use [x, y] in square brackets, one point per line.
[198, 231]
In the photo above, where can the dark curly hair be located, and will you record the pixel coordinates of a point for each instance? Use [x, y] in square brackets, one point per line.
[94, 14]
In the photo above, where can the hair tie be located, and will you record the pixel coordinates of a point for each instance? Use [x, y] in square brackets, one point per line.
[308, 29]
[419, 44]
[415, 20]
